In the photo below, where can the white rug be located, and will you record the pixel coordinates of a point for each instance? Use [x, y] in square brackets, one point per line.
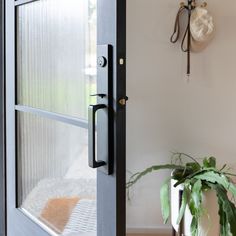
[83, 219]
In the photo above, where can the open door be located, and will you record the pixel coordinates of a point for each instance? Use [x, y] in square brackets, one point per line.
[65, 117]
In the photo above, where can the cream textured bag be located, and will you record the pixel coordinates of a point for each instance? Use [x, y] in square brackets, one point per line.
[201, 27]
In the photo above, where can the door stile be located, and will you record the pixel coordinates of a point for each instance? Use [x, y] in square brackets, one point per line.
[111, 189]
[2, 122]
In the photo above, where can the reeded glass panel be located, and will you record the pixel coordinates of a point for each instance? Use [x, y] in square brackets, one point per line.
[55, 184]
[56, 71]
[56, 55]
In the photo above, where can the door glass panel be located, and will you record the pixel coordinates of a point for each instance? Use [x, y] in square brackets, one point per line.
[55, 184]
[56, 55]
[56, 72]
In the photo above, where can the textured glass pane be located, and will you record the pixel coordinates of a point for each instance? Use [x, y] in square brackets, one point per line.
[55, 184]
[56, 55]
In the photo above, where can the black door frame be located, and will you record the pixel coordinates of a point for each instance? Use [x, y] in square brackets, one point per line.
[115, 194]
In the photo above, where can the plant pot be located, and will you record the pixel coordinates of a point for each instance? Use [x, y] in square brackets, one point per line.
[209, 222]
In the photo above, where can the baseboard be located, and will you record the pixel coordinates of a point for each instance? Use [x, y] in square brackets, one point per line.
[149, 230]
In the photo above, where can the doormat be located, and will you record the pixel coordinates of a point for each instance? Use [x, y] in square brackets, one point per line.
[57, 212]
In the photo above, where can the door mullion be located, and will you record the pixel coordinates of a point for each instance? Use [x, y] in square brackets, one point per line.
[82, 123]
[22, 2]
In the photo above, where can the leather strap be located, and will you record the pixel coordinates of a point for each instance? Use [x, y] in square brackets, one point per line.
[175, 36]
[189, 43]
[187, 34]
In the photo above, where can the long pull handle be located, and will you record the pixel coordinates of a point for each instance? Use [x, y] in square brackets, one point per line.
[93, 163]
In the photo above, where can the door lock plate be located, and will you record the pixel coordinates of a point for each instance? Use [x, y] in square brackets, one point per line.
[105, 116]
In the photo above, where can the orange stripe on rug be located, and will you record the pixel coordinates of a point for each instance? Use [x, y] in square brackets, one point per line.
[57, 212]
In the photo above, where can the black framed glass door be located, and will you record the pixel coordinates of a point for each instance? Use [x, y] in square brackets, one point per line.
[65, 162]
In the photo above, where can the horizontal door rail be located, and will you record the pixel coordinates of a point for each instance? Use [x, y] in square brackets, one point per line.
[54, 116]
[22, 2]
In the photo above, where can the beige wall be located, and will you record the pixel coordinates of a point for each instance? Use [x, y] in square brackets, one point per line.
[165, 112]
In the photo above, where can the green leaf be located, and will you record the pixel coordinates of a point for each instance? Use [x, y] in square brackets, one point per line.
[209, 162]
[165, 201]
[230, 213]
[196, 195]
[195, 200]
[183, 205]
[189, 169]
[193, 166]
[180, 174]
[224, 226]
[221, 179]
[194, 226]
[191, 176]
[229, 209]
[137, 176]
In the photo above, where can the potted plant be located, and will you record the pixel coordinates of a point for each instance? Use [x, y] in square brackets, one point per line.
[196, 179]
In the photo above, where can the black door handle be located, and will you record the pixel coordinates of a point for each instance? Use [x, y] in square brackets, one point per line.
[93, 163]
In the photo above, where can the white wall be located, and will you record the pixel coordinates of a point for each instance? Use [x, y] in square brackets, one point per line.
[166, 113]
